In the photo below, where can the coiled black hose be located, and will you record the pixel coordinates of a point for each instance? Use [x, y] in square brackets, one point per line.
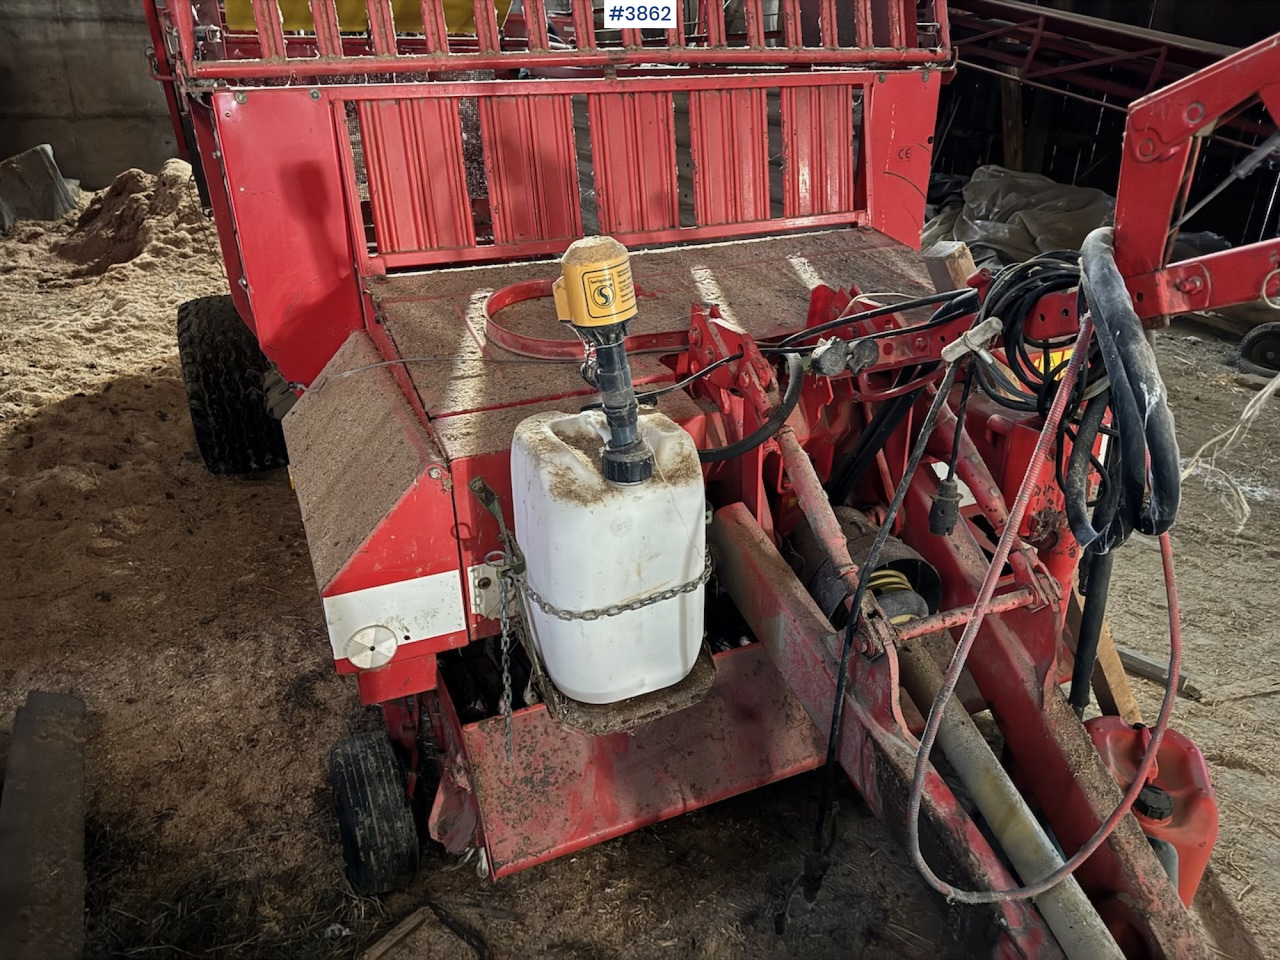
[791, 397]
[1144, 430]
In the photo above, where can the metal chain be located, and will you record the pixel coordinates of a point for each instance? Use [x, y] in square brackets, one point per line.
[615, 609]
[505, 578]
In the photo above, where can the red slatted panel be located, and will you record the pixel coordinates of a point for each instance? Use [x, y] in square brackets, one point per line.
[897, 28]
[486, 24]
[631, 38]
[634, 156]
[829, 24]
[789, 13]
[325, 17]
[729, 141]
[711, 21]
[675, 38]
[532, 168]
[753, 11]
[535, 18]
[434, 30]
[862, 23]
[584, 24]
[266, 15]
[417, 176]
[817, 144]
[382, 28]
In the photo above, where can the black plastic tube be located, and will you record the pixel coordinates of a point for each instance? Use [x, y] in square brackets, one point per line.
[1097, 587]
[1138, 396]
[791, 397]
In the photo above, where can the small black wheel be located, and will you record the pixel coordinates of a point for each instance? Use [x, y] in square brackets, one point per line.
[379, 840]
[224, 370]
[1260, 350]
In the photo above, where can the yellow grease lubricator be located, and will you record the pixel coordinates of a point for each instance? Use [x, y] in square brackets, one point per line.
[596, 295]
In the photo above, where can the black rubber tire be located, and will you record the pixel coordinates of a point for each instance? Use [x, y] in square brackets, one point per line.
[379, 840]
[223, 369]
[1260, 350]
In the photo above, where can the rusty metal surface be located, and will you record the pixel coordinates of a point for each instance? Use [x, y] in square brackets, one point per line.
[601, 719]
[802, 644]
[565, 789]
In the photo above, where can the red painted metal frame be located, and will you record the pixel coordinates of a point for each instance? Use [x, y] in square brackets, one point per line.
[886, 35]
[294, 217]
[1159, 135]
[565, 790]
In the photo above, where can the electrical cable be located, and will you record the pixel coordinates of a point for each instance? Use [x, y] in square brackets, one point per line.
[980, 608]
[650, 396]
[790, 398]
[817, 862]
[845, 319]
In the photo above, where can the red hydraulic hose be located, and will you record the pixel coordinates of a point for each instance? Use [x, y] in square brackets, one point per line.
[981, 607]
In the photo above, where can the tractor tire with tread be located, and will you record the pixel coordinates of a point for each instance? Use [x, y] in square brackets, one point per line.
[223, 369]
[1260, 350]
[379, 839]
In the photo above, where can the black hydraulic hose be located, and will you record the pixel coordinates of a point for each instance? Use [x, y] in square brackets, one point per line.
[817, 862]
[1138, 397]
[790, 398]
[887, 418]
[945, 296]
[1097, 586]
[1110, 525]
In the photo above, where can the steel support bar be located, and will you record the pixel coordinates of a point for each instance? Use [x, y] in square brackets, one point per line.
[1079, 929]
[1054, 756]
[804, 647]
[301, 69]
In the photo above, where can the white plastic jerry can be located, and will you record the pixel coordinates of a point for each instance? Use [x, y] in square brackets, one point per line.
[590, 544]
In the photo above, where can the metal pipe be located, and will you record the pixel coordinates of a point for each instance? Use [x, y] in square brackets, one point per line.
[1067, 911]
[816, 507]
[946, 619]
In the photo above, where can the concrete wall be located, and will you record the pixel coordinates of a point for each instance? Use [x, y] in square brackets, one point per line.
[74, 73]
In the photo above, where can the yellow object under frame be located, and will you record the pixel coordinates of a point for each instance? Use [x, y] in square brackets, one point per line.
[353, 17]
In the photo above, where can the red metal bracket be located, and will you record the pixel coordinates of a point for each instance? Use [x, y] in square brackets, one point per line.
[1159, 137]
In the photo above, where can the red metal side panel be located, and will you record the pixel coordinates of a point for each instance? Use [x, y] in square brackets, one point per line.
[532, 167]
[898, 132]
[417, 176]
[729, 141]
[818, 144]
[281, 159]
[564, 790]
[634, 156]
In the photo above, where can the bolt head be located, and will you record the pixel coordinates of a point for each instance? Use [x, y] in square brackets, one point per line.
[484, 583]
[435, 473]
[241, 96]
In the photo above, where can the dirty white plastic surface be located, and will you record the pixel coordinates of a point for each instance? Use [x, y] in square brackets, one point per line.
[590, 543]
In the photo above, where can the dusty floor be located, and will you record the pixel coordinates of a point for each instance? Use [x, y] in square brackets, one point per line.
[181, 607]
